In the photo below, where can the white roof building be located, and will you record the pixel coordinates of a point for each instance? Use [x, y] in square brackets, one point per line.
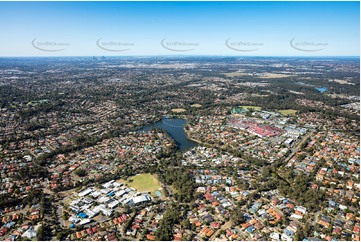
[275, 236]
[103, 199]
[87, 200]
[31, 232]
[75, 202]
[85, 192]
[301, 209]
[102, 208]
[286, 237]
[120, 193]
[95, 194]
[91, 213]
[113, 204]
[296, 216]
[140, 199]
[105, 191]
[74, 219]
[117, 184]
[108, 184]
[85, 221]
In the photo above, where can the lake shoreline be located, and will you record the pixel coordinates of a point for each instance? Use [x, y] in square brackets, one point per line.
[175, 128]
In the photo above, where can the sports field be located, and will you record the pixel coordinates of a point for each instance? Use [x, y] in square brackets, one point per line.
[274, 75]
[288, 111]
[257, 108]
[144, 183]
[196, 105]
[234, 74]
[178, 110]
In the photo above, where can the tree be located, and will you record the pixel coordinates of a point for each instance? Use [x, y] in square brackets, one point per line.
[170, 217]
[236, 216]
[40, 233]
[81, 172]
[65, 215]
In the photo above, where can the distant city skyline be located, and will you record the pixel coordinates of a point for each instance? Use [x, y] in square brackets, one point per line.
[179, 28]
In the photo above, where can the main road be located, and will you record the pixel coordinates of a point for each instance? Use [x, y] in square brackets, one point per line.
[59, 212]
[297, 148]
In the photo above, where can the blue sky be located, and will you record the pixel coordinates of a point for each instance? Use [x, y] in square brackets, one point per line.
[186, 28]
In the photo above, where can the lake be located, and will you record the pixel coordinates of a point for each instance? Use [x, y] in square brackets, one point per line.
[175, 129]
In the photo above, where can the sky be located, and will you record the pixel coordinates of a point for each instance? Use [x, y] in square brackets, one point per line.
[179, 28]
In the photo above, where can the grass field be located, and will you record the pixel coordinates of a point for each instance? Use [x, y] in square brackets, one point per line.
[178, 110]
[274, 75]
[288, 111]
[196, 105]
[257, 108]
[234, 74]
[342, 82]
[144, 183]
